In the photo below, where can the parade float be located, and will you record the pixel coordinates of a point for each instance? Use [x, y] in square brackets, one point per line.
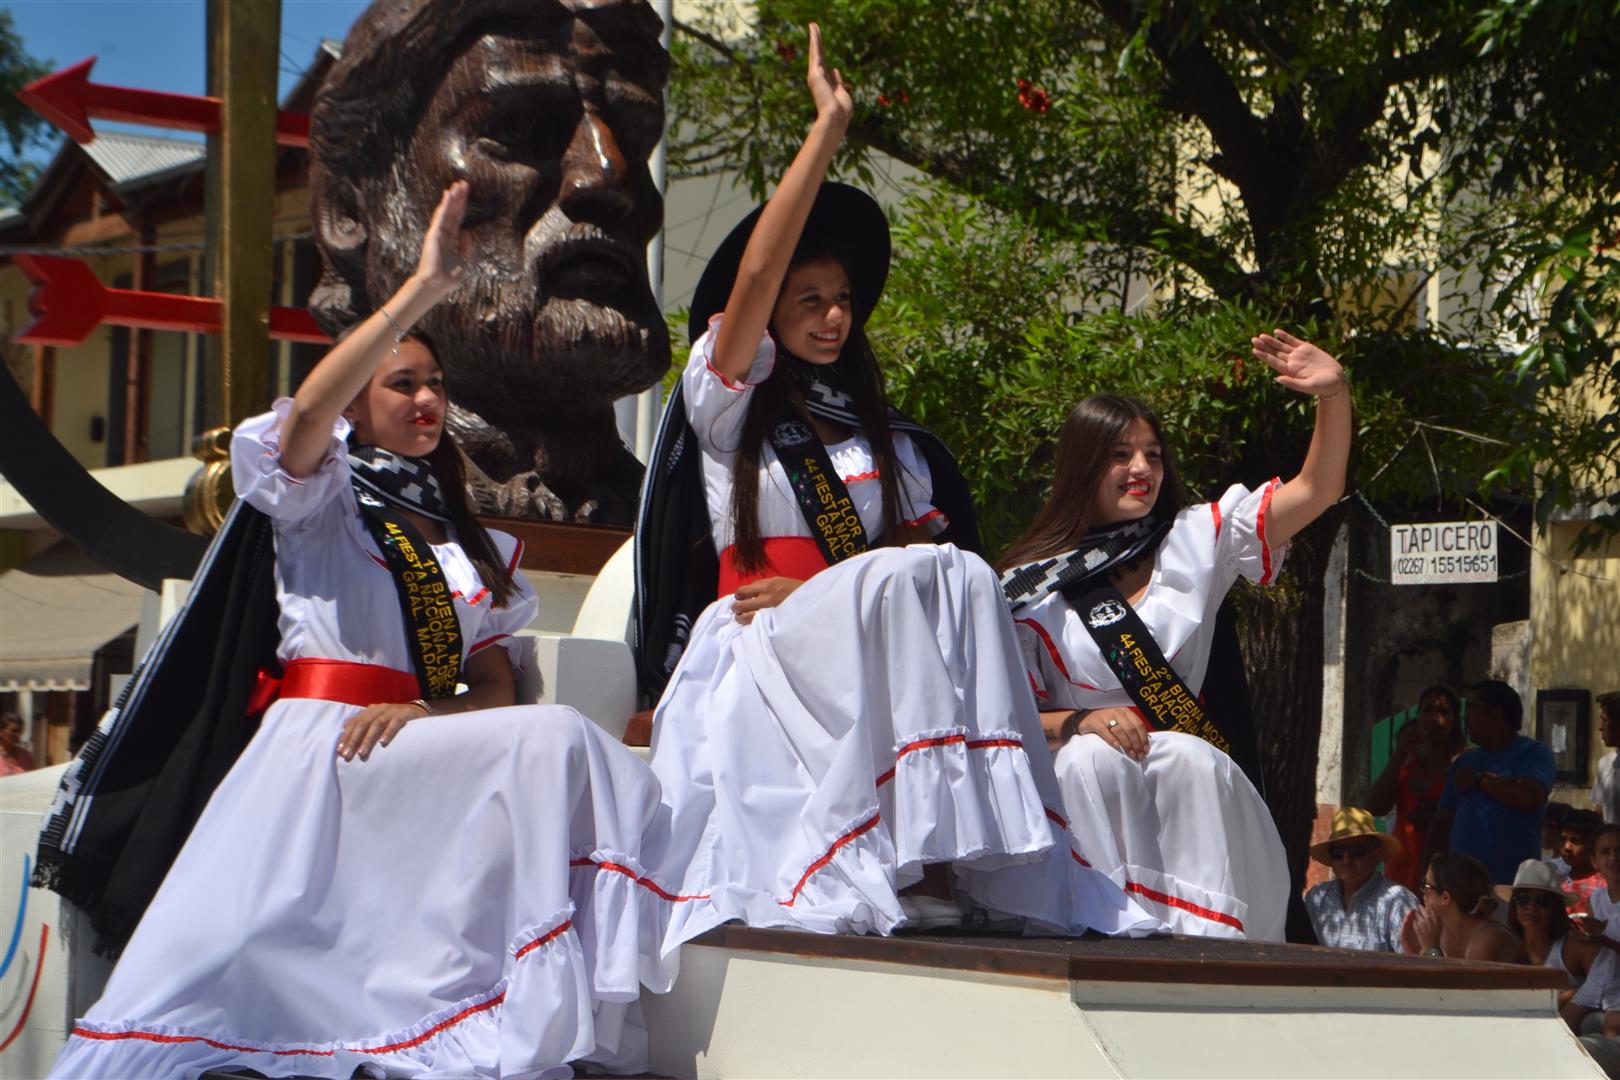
[748, 1002]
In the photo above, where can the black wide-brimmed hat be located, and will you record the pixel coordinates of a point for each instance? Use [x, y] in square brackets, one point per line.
[850, 220]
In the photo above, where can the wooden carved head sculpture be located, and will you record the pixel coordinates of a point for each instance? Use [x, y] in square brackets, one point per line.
[550, 109]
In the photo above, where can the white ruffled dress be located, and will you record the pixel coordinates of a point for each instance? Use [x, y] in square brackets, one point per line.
[471, 901]
[1184, 832]
[815, 759]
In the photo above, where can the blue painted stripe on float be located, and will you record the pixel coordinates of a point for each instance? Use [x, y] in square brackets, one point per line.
[22, 911]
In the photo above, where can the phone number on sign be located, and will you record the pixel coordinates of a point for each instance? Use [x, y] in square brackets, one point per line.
[1445, 564]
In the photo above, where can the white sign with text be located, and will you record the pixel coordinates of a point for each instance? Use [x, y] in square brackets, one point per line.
[1442, 553]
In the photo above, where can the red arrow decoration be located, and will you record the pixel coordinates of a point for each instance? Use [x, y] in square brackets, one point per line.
[69, 301]
[69, 99]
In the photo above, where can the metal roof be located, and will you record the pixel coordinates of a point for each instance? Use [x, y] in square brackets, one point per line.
[127, 159]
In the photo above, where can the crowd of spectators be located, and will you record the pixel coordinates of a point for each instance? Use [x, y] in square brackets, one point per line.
[1478, 862]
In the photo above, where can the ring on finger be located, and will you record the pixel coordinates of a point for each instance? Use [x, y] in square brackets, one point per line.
[1113, 723]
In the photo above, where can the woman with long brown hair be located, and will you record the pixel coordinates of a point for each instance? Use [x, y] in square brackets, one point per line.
[1457, 918]
[844, 740]
[1114, 589]
[402, 873]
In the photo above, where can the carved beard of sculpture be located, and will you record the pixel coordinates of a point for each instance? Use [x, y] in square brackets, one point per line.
[556, 318]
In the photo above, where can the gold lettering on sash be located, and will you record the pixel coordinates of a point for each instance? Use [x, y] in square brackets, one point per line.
[1168, 699]
[433, 613]
[837, 519]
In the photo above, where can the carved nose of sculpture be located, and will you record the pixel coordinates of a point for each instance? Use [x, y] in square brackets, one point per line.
[595, 180]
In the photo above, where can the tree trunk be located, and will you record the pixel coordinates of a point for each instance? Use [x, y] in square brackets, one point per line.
[1281, 632]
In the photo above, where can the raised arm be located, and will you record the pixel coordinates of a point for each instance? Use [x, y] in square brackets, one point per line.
[1303, 367]
[1385, 790]
[765, 260]
[342, 373]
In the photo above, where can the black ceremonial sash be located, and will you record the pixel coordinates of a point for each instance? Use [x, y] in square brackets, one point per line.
[431, 627]
[1133, 655]
[823, 499]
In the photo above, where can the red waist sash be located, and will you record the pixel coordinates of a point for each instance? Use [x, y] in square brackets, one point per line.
[795, 557]
[350, 683]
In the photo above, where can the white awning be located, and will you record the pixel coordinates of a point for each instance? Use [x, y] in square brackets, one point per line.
[56, 610]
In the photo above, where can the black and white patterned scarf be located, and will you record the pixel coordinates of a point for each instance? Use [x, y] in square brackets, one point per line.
[406, 482]
[826, 398]
[1100, 550]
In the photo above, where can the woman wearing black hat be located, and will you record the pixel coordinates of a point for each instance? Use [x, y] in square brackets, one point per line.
[850, 711]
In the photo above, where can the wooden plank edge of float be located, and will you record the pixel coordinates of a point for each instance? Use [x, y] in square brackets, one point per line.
[561, 547]
[1001, 956]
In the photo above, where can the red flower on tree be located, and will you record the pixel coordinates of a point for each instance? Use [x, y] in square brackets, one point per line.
[786, 51]
[1032, 97]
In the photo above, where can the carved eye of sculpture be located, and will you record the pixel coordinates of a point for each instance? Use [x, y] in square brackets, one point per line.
[637, 120]
[528, 134]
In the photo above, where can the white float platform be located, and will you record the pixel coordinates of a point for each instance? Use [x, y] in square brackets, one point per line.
[762, 1003]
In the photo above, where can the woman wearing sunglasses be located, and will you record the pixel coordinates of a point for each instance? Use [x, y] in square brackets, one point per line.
[1455, 920]
[1538, 911]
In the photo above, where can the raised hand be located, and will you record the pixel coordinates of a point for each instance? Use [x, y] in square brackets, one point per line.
[1409, 935]
[827, 86]
[1299, 364]
[1426, 925]
[443, 262]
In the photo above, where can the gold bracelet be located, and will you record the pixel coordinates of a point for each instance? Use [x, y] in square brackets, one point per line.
[421, 703]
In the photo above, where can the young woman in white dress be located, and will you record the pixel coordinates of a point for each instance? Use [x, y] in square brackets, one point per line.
[835, 736]
[389, 881]
[1169, 814]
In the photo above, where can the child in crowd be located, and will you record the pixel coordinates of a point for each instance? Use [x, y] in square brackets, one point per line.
[1575, 845]
[1552, 836]
[1601, 926]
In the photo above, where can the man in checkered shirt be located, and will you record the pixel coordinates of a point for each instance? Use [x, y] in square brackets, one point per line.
[1360, 908]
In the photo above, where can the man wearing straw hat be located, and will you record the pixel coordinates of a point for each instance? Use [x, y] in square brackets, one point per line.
[1360, 908]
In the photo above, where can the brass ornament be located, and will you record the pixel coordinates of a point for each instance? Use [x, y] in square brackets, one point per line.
[209, 493]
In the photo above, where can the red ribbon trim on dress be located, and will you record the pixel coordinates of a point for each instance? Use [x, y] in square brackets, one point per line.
[645, 882]
[152, 1036]
[388, 1048]
[860, 830]
[1260, 528]
[539, 941]
[1052, 651]
[1185, 905]
[943, 740]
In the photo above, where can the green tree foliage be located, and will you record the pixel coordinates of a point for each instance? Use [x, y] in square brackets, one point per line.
[1277, 161]
[24, 130]
[1116, 194]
